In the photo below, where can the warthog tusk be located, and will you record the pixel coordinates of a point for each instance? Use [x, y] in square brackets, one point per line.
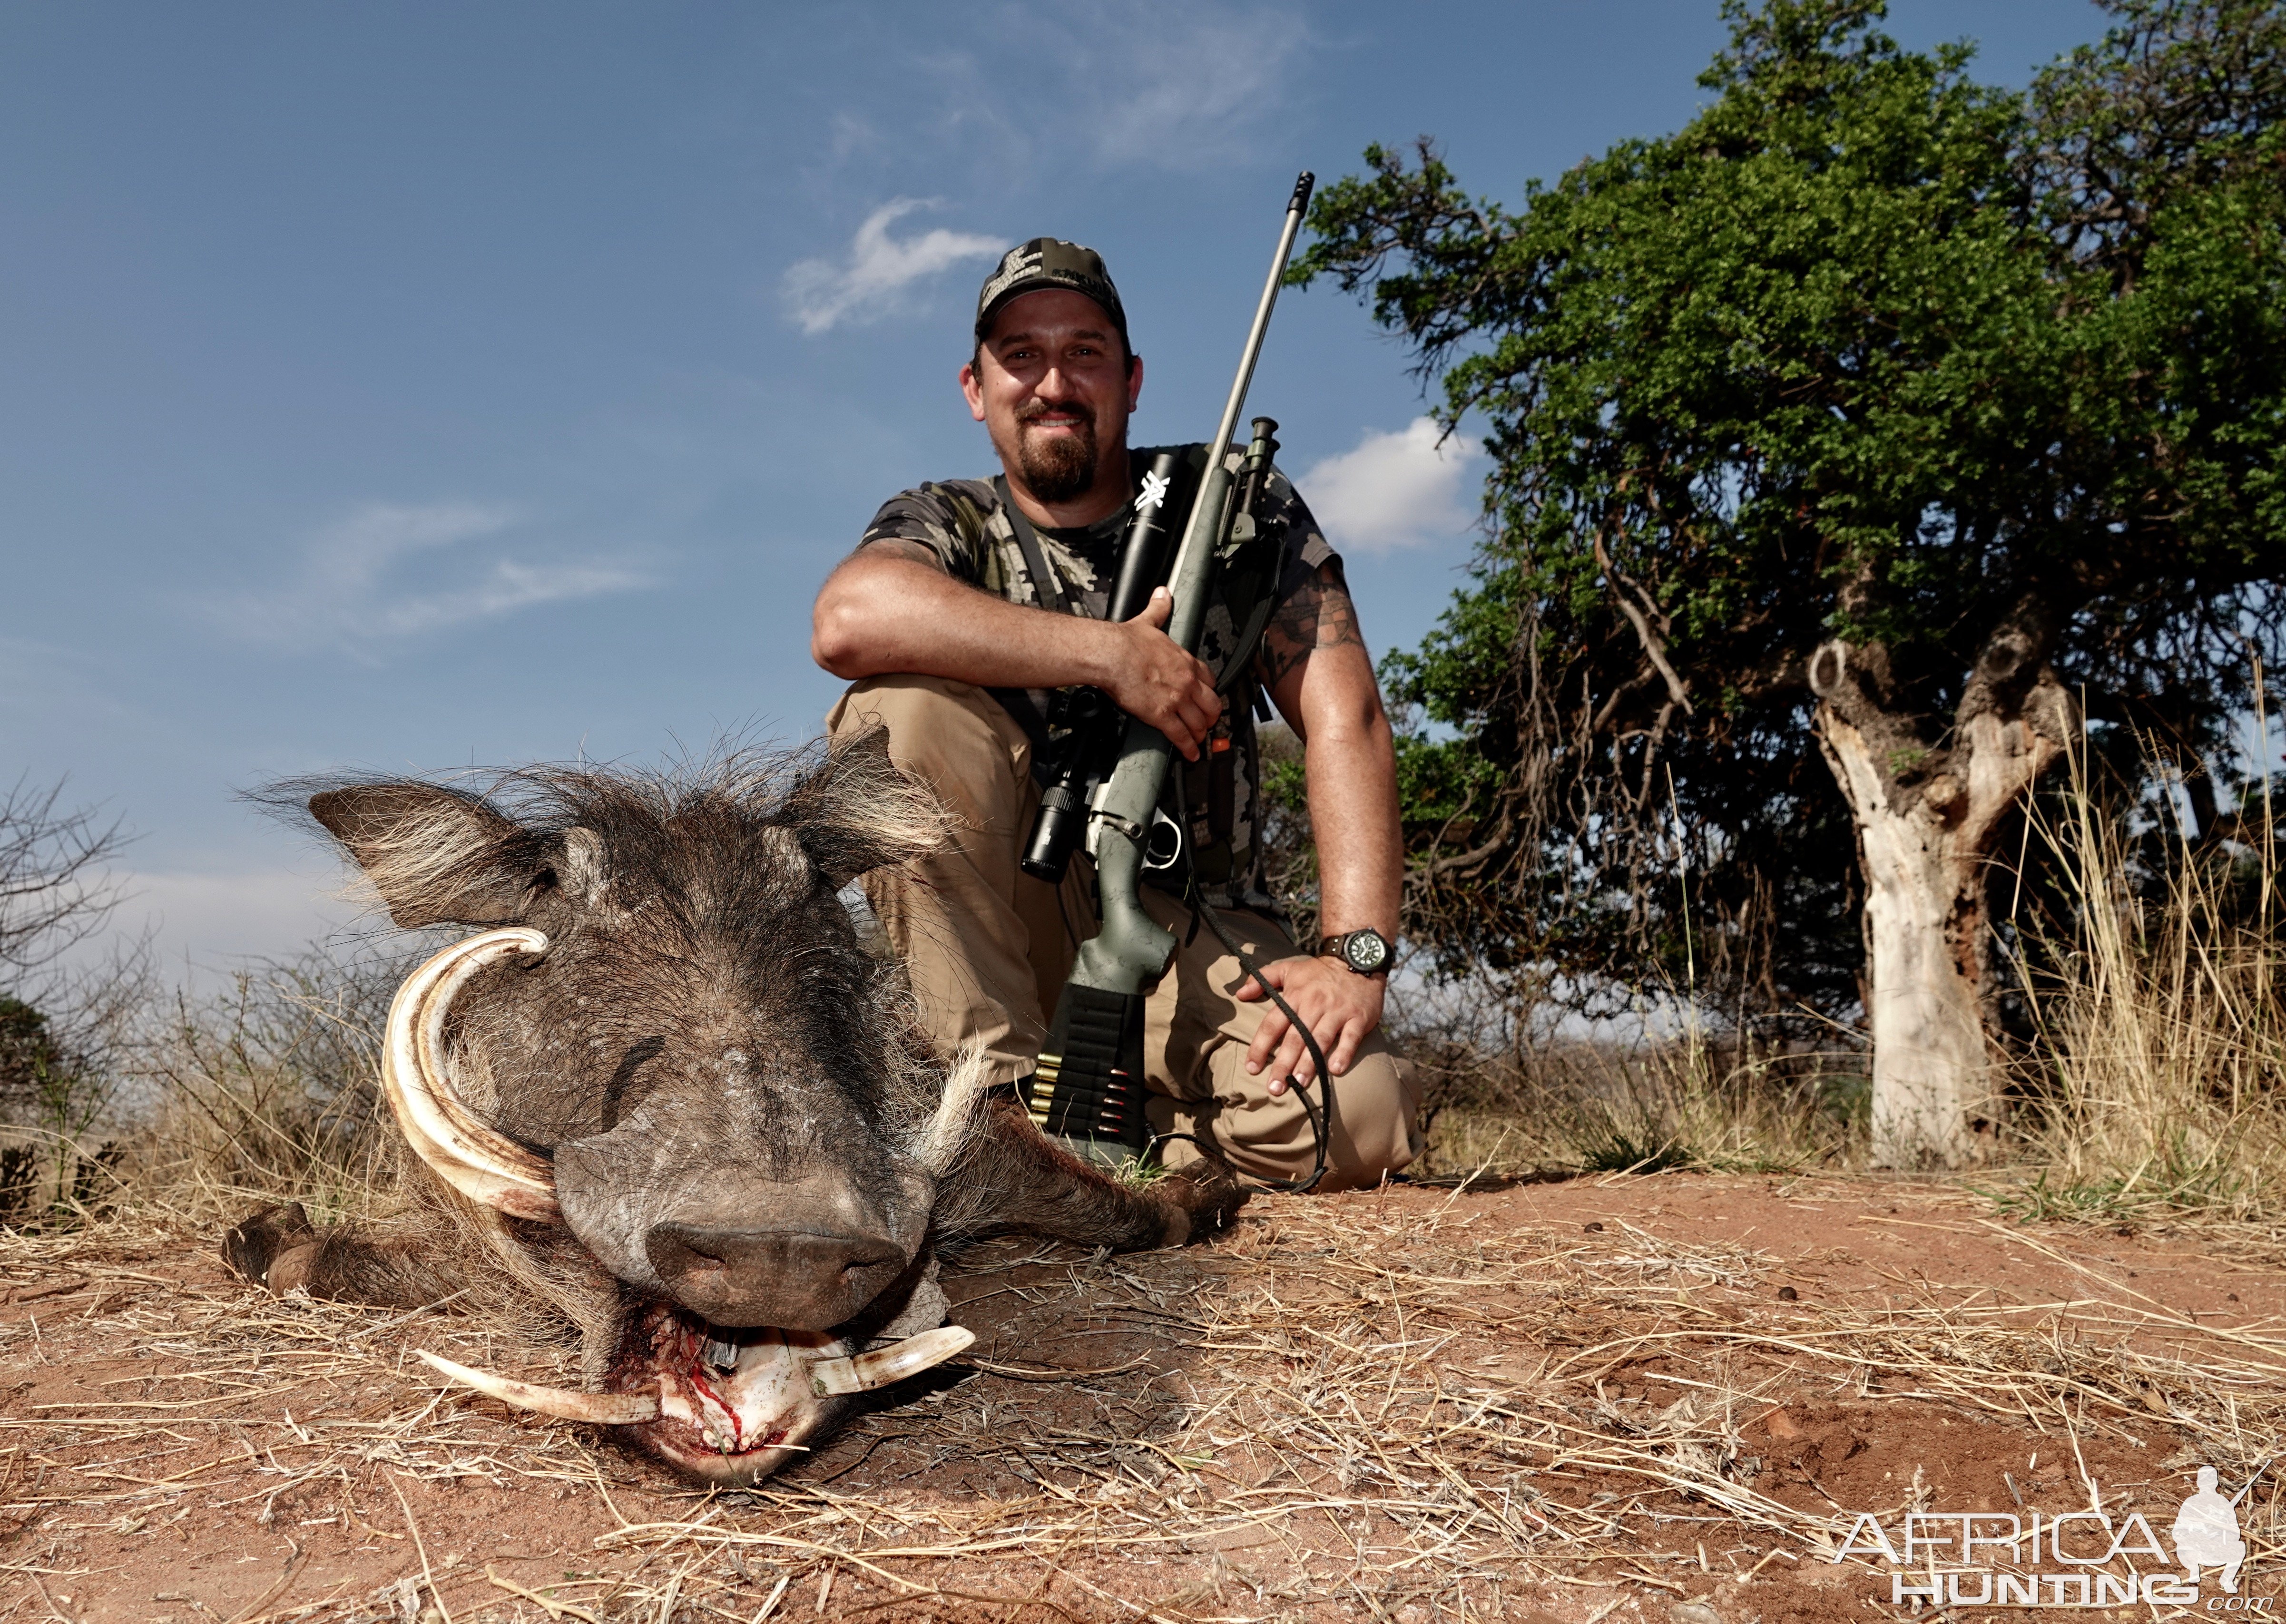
[608, 1410]
[893, 1363]
[483, 1165]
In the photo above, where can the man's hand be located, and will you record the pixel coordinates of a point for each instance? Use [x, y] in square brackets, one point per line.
[1342, 1008]
[1151, 679]
[891, 607]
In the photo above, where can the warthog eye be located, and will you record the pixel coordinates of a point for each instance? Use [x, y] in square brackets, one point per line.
[615, 1090]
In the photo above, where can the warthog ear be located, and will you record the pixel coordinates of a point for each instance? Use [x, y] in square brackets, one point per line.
[438, 857]
[859, 810]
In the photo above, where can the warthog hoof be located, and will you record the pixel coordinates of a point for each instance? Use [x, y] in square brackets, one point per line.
[264, 1237]
[1206, 1195]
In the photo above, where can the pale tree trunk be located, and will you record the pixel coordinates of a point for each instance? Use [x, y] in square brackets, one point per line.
[1926, 819]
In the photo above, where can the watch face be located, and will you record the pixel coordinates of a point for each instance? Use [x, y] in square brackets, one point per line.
[1365, 951]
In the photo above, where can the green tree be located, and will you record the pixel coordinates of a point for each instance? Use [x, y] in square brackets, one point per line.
[1853, 434]
[28, 1050]
[46, 1084]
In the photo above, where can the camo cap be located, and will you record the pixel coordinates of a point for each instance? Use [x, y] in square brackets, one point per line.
[1049, 261]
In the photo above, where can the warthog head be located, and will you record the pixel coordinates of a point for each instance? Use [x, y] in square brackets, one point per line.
[668, 1040]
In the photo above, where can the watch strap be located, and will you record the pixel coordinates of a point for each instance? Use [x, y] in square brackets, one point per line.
[1338, 947]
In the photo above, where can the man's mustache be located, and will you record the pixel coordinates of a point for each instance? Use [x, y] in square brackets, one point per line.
[1032, 409]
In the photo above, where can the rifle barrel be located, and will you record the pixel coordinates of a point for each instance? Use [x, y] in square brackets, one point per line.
[1200, 532]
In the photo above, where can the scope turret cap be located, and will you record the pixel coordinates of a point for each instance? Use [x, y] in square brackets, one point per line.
[1049, 261]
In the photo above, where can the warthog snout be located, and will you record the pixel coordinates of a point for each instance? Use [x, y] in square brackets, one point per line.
[801, 1278]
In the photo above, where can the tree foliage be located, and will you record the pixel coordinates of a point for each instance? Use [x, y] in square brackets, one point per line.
[1981, 384]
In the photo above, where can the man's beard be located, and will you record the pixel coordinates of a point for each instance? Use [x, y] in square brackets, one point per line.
[1057, 466]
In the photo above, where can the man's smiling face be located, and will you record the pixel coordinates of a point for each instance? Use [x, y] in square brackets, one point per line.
[1053, 384]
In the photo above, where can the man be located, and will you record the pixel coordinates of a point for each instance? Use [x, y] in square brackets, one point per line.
[937, 620]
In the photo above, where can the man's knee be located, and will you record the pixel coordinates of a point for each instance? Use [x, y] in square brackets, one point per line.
[954, 736]
[1374, 1128]
[1376, 1120]
[922, 714]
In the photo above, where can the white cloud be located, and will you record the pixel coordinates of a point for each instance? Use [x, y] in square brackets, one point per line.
[1395, 491]
[356, 590]
[820, 293]
[502, 590]
[1169, 84]
[1186, 82]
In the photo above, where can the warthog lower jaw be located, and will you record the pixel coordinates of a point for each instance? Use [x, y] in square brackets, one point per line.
[735, 1405]
[727, 1406]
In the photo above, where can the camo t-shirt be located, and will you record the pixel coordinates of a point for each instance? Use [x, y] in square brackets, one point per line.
[963, 523]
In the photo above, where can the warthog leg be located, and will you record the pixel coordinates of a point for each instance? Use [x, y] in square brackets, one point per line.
[1011, 1177]
[253, 1248]
[280, 1248]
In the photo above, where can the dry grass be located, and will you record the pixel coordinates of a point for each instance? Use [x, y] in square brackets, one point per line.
[2154, 1084]
[2159, 1069]
[1348, 1409]
[264, 1090]
[1583, 1107]
[227, 1370]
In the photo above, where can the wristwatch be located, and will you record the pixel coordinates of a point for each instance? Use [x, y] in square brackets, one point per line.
[1365, 951]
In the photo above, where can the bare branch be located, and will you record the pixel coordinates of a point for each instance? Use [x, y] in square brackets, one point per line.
[1654, 645]
[56, 889]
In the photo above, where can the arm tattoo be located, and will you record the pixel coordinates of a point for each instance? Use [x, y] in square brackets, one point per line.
[1319, 615]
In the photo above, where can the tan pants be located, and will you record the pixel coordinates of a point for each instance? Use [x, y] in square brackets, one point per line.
[988, 946]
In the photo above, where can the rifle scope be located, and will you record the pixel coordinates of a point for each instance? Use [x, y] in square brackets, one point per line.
[1143, 559]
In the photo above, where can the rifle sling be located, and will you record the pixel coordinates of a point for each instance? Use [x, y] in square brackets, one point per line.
[1241, 658]
[1046, 584]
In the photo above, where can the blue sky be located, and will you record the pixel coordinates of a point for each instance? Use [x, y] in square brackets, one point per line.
[415, 386]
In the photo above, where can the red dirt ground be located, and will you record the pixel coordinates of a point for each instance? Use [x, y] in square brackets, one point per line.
[166, 1459]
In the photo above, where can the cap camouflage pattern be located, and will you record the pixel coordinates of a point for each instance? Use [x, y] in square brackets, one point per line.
[1049, 261]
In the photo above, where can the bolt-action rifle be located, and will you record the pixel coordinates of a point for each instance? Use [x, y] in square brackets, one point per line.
[1088, 1090]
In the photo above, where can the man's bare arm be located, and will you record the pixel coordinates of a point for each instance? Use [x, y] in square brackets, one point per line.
[890, 608]
[1314, 659]
[1322, 679]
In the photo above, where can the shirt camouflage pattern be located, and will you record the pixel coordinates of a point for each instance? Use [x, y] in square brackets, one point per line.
[963, 523]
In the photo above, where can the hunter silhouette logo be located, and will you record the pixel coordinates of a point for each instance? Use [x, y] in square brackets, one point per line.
[2063, 1559]
[2206, 1532]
